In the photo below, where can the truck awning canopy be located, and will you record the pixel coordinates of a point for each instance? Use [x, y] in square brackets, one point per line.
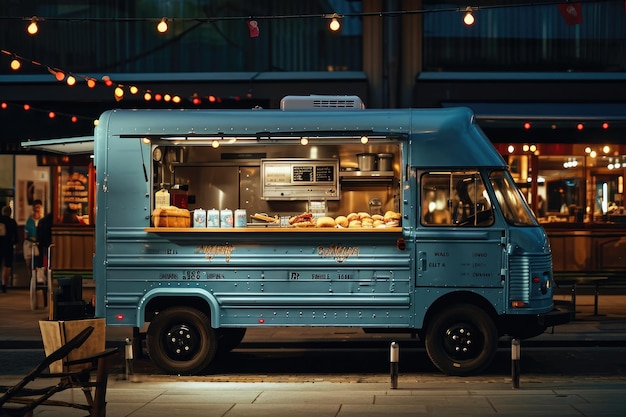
[65, 146]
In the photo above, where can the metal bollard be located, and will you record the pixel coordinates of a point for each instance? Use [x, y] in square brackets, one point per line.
[515, 357]
[128, 355]
[394, 359]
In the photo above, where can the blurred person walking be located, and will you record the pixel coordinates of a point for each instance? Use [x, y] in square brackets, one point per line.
[8, 240]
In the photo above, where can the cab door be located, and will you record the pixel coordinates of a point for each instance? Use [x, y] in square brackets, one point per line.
[460, 239]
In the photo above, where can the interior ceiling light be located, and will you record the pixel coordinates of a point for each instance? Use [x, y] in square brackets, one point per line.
[33, 28]
[162, 26]
[468, 18]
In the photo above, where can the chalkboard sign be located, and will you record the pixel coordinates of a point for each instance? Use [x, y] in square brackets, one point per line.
[324, 173]
[301, 173]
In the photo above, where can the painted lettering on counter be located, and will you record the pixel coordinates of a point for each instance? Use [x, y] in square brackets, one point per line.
[214, 250]
[338, 252]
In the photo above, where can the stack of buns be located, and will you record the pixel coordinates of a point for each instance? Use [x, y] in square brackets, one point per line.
[368, 221]
[171, 216]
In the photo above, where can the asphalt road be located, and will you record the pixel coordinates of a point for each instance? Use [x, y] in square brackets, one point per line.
[356, 364]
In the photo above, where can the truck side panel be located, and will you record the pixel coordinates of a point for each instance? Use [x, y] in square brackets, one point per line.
[287, 279]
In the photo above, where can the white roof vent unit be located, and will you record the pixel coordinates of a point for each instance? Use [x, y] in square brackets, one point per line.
[320, 102]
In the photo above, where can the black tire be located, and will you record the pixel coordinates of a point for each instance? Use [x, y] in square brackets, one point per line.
[181, 341]
[461, 340]
[228, 338]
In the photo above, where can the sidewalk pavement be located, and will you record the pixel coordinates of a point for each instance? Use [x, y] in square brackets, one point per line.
[416, 395]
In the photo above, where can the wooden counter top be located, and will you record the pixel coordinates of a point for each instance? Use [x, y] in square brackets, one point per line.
[271, 230]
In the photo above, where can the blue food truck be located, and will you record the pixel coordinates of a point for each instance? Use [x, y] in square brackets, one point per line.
[320, 213]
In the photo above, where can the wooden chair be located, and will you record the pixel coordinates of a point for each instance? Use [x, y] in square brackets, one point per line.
[18, 400]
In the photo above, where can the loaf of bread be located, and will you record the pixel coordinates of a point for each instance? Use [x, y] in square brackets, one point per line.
[171, 217]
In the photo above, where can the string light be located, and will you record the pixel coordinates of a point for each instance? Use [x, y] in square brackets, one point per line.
[334, 24]
[15, 64]
[162, 26]
[70, 80]
[468, 18]
[33, 28]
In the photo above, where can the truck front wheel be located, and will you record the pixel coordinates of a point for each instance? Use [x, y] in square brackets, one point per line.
[461, 340]
[180, 340]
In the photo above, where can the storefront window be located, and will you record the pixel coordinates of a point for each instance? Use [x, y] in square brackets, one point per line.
[73, 202]
[571, 183]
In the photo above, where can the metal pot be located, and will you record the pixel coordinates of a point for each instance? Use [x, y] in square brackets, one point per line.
[367, 161]
[385, 161]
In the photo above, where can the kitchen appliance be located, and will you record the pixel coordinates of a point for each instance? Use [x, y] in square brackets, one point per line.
[367, 161]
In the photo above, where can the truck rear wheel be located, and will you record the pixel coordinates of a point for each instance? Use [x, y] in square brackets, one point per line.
[461, 340]
[180, 340]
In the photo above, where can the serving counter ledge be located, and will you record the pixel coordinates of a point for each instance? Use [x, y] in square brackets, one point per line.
[272, 230]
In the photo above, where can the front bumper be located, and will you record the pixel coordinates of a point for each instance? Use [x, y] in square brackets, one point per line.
[554, 318]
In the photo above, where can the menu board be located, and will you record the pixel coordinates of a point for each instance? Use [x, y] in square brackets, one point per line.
[300, 178]
[325, 173]
[302, 173]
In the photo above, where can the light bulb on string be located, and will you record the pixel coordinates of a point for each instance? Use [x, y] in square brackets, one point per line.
[147, 96]
[52, 115]
[15, 64]
[335, 24]
[91, 83]
[133, 89]
[119, 93]
[107, 81]
[162, 26]
[176, 99]
[33, 28]
[71, 80]
[59, 75]
[468, 18]
[74, 119]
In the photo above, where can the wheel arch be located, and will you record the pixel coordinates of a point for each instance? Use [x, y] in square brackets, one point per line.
[160, 299]
[461, 297]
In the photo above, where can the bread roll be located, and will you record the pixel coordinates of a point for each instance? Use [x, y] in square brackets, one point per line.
[352, 216]
[355, 224]
[378, 217]
[325, 221]
[341, 221]
[364, 215]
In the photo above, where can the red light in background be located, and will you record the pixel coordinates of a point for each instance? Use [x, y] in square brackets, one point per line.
[4, 105]
[26, 106]
[196, 101]
[605, 125]
[261, 321]
[158, 97]
[580, 126]
[527, 125]
[120, 317]
[212, 99]
[74, 119]
[52, 115]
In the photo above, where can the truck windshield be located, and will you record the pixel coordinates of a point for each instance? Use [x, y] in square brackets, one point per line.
[511, 200]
